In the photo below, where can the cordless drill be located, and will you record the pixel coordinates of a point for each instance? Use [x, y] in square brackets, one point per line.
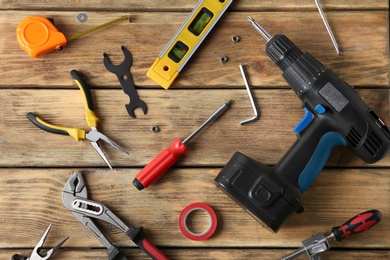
[334, 115]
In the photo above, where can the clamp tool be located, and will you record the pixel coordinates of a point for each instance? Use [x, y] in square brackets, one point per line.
[35, 254]
[94, 135]
[319, 243]
[75, 198]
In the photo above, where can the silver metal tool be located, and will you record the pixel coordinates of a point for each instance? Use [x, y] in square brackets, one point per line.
[260, 29]
[319, 243]
[75, 198]
[36, 252]
[251, 98]
[313, 246]
[213, 117]
[327, 27]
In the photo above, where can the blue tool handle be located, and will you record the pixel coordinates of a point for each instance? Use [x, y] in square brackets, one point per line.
[18, 257]
[304, 161]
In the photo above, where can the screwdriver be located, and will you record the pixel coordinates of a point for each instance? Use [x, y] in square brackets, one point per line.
[166, 158]
[318, 243]
[38, 35]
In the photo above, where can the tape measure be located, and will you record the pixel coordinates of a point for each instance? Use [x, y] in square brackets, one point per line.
[38, 35]
[187, 39]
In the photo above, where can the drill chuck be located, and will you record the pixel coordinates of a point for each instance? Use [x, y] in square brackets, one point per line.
[282, 51]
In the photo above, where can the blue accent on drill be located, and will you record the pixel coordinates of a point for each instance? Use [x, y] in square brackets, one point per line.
[320, 109]
[307, 118]
[319, 158]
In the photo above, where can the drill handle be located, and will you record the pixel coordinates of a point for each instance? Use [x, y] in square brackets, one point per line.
[303, 162]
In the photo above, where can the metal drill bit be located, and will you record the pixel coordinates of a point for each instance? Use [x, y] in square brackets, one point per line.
[214, 116]
[260, 29]
[327, 27]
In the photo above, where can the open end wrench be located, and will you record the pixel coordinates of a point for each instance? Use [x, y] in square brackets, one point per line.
[122, 71]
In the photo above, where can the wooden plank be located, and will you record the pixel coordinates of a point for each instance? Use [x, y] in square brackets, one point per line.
[201, 253]
[182, 5]
[177, 113]
[364, 44]
[32, 198]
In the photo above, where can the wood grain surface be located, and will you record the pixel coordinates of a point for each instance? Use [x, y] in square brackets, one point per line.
[34, 165]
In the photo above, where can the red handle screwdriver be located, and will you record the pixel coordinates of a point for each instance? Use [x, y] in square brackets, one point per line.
[357, 224]
[319, 243]
[165, 159]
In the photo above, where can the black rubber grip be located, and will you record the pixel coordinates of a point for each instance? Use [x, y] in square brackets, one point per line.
[18, 257]
[76, 76]
[138, 184]
[33, 119]
[114, 254]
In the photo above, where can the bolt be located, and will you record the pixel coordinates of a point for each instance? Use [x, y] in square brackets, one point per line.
[236, 38]
[223, 59]
[155, 129]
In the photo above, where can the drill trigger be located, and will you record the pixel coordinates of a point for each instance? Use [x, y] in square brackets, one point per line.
[305, 121]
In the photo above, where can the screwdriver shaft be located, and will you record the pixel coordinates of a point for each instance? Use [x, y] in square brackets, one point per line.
[327, 27]
[214, 116]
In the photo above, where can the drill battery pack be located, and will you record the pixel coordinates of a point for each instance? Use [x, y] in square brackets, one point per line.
[251, 185]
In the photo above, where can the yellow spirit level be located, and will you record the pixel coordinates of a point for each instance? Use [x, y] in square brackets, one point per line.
[186, 40]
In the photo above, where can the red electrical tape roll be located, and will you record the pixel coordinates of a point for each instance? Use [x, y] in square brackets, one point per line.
[198, 236]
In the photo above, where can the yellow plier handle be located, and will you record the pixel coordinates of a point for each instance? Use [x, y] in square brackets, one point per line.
[92, 119]
[76, 133]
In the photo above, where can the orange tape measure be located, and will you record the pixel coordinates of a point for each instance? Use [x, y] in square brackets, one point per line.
[37, 35]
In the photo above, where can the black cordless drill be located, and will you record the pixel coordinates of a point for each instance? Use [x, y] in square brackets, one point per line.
[334, 115]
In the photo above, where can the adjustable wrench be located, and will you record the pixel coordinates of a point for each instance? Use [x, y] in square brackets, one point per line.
[75, 198]
[122, 71]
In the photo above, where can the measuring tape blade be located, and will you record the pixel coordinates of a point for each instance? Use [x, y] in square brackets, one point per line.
[187, 39]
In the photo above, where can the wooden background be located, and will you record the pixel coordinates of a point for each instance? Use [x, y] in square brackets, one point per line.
[34, 165]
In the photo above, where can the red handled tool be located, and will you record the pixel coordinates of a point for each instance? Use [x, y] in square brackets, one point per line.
[165, 159]
[318, 243]
[75, 198]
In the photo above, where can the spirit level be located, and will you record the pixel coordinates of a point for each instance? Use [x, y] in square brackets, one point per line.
[186, 40]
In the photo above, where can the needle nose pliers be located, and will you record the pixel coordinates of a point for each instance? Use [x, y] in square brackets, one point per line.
[36, 254]
[94, 135]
